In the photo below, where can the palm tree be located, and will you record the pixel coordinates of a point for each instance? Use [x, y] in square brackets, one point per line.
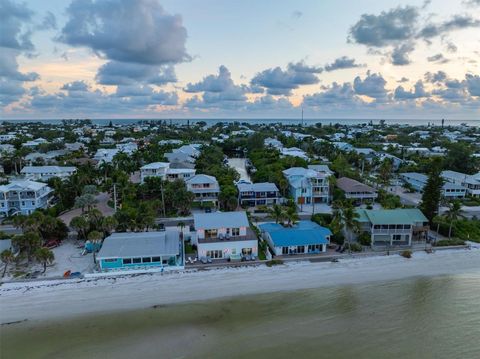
[81, 225]
[6, 257]
[277, 213]
[44, 256]
[346, 216]
[452, 214]
[291, 216]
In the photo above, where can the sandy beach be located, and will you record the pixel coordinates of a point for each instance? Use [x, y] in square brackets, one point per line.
[66, 298]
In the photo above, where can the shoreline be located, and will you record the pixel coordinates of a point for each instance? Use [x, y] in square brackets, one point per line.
[63, 299]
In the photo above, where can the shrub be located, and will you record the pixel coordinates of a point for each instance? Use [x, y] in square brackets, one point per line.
[449, 242]
[406, 254]
[365, 239]
[355, 247]
[274, 262]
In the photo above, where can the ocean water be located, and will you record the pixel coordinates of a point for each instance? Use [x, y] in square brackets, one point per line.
[423, 317]
[297, 121]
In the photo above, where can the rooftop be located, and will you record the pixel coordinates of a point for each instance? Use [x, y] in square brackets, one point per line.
[350, 185]
[257, 187]
[218, 220]
[140, 244]
[391, 216]
[302, 234]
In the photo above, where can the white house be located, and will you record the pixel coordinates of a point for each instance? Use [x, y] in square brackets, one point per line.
[105, 155]
[356, 190]
[224, 235]
[419, 180]
[294, 152]
[44, 173]
[470, 182]
[163, 170]
[35, 143]
[23, 197]
[205, 188]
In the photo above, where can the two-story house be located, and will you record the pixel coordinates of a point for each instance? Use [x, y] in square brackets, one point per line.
[44, 173]
[224, 235]
[23, 197]
[163, 170]
[470, 182]
[419, 180]
[205, 188]
[356, 190]
[309, 185]
[394, 227]
[258, 194]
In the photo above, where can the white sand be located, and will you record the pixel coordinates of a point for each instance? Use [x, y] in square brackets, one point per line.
[59, 299]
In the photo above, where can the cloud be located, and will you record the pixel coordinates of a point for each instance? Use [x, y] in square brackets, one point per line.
[297, 14]
[418, 92]
[457, 22]
[139, 38]
[49, 22]
[400, 54]
[438, 58]
[13, 20]
[472, 2]
[389, 27]
[343, 62]
[281, 82]
[400, 29]
[473, 84]
[334, 95]
[372, 86]
[218, 91]
[123, 73]
[213, 83]
[15, 40]
[403, 79]
[438, 76]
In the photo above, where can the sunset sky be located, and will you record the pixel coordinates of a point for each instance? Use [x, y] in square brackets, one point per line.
[240, 59]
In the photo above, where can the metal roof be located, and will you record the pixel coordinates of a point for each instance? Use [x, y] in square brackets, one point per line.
[392, 216]
[304, 233]
[350, 185]
[140, 244]
[257, 187]
[218, 220]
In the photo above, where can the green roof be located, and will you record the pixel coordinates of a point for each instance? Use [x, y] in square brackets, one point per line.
[392, 216]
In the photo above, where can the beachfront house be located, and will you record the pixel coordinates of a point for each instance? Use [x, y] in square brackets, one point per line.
[44, 173]
[309, 185]
[470, 182]
[163, 170]
[418, 181]
[141, 251]
[205, 188]
[394, 227]
[224, 235]
[305, 237]
[23, 197]
[258, 194]
[356, 190]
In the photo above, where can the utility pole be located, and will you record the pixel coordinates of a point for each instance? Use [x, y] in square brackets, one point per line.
[302, 117]
[163, 198]
[115, 197]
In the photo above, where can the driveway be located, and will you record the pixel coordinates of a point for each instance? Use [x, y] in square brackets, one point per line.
[102, 205]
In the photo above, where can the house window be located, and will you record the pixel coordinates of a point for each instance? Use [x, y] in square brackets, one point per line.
[247, 251]
[300, 249]
[215, 254]
[155, 259]
[235, 231]
[147, 260]
[110, 260]
[137, 260]
[127, 261]
[397, 237]
[210, 233]
[284, 250]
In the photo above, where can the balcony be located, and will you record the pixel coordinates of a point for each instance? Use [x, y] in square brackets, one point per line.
[248, 237]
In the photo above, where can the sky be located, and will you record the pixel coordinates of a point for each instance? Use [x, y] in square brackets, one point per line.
[172, 59]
